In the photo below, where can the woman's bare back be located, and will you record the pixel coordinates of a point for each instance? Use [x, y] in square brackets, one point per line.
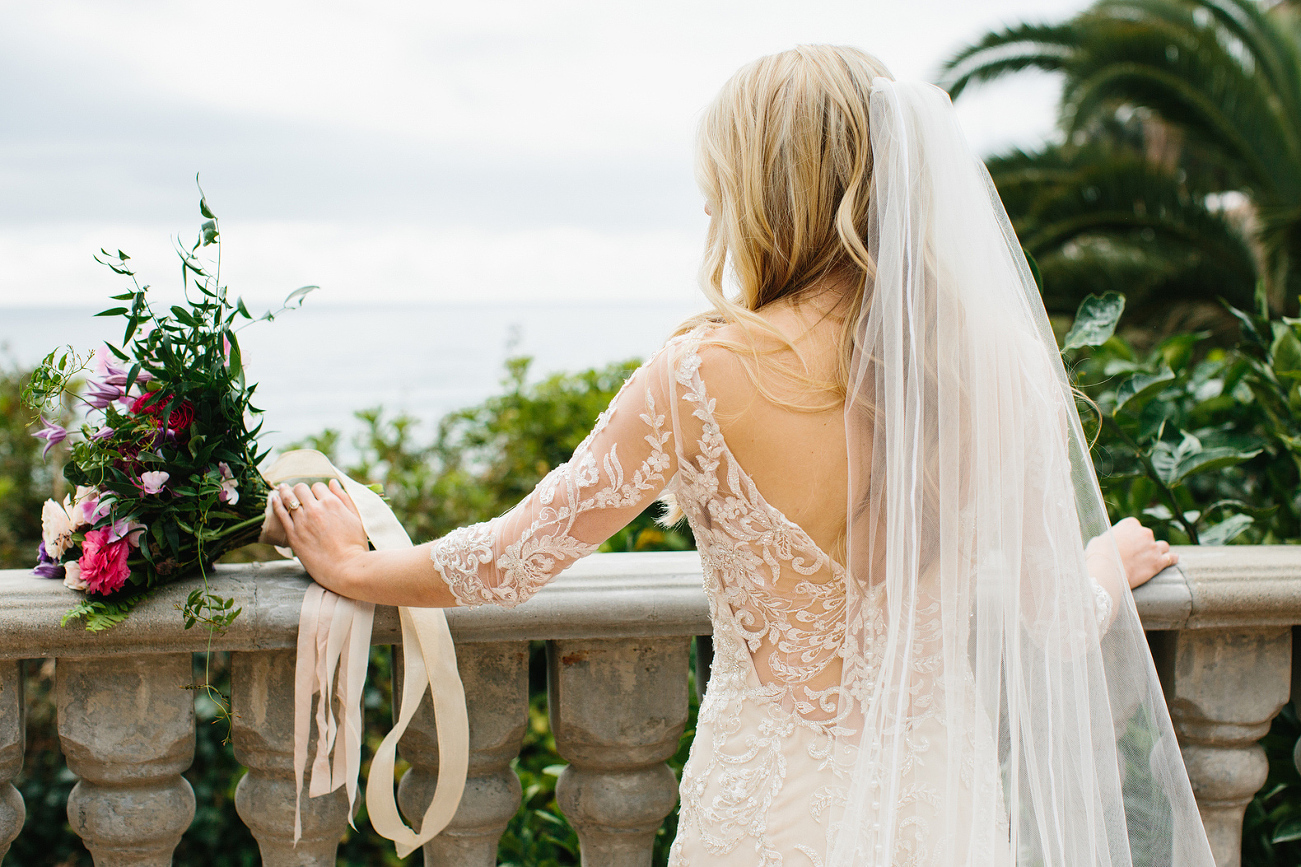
[791, 442]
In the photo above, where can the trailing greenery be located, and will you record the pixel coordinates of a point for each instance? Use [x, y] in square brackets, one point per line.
[166, 461]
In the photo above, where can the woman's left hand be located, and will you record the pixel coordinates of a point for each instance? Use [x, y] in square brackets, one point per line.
[322, 525]
[1141, 554]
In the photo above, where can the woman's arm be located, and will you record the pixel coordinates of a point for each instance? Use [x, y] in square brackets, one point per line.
[326, 534]
[619, 470]
[1142, 556]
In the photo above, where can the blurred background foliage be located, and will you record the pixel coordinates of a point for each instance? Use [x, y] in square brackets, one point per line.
[477, 464]
[1170, 194]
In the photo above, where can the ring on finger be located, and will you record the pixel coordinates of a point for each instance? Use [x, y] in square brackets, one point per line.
[292, 505]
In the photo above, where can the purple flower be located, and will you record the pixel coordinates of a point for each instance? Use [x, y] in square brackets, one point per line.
[124, 528]
[117, 377]
[101, 394]
[103, 433]
[154, 481]
[47, 566]
[51, 433]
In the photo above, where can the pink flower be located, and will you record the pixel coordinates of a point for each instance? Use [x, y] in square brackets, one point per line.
[124, 529]
[153, 481]
[229, 486]
[103, 563]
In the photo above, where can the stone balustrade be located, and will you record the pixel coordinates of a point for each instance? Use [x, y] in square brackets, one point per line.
[618, 628]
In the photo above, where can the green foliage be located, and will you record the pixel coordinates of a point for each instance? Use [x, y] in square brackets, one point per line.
[173, 400]
[101, 614]
[1271, 828]
[1167, 105]
[1205, 448]
[25, 480]
[1199, 447]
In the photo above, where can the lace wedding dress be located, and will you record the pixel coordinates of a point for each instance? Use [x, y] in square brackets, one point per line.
[969, 687]
[767, 769]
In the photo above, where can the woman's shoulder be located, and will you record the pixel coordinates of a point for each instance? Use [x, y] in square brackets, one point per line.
[780, 359]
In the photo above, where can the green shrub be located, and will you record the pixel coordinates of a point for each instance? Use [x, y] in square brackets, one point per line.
[26, 480]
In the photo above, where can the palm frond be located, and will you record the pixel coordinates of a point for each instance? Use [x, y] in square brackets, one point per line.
[1047, 47]
[1100, 195]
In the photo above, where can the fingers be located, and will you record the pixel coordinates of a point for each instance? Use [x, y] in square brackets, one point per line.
[338, 490]
[282, 515]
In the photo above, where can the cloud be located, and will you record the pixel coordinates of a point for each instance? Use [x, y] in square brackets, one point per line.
[390, 264]
[366, 146]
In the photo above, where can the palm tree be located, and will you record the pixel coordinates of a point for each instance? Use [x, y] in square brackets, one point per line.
[1170, 109]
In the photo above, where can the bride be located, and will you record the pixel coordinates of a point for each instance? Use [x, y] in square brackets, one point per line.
[926, 651]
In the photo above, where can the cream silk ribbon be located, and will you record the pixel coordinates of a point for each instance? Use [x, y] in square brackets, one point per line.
[334, 636]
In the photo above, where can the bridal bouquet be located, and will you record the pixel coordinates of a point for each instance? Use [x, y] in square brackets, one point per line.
[164, 462]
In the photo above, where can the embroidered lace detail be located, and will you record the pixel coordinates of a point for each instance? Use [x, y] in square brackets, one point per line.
[796, 649]
[458, 559]
[1104, 603]
[574, 509]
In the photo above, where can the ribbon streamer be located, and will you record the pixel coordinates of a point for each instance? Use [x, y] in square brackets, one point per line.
[334, 639]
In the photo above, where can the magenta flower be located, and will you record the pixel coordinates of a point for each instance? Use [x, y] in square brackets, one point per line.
[154, 481]
[103, 563]
[51, 433]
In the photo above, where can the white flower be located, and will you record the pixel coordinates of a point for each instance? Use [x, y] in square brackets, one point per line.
[72, 576]
[229, 487]
[153, 481]
[81, 506]
[56, 529]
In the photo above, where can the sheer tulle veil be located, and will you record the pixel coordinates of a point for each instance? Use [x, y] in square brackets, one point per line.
[1005, 707]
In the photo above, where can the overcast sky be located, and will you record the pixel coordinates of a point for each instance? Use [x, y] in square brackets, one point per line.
[411, 151]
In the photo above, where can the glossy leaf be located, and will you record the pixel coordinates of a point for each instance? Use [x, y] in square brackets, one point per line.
[1096, 321]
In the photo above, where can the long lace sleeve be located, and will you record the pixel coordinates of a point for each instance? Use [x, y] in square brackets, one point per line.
[613, 475]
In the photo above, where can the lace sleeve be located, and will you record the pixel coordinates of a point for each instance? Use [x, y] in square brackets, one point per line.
[1102, 604]
[613, 475]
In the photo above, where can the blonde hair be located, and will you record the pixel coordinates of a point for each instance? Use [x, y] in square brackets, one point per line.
[784, 159]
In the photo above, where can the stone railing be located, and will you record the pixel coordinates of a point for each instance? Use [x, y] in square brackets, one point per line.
[618, 628]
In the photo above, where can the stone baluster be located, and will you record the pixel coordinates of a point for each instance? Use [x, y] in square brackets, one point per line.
[13, 728]
[262, 704]
[496, 681]
[1224, 687]
[618, 708]
[126, 724]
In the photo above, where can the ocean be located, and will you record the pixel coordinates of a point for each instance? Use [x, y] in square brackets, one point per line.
[318, 365]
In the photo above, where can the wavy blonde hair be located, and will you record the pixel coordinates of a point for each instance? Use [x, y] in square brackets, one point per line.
[784, 159]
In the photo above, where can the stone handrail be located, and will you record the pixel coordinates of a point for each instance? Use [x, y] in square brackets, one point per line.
[618, 628]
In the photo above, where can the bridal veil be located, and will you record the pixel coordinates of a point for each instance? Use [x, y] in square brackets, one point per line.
[1010, 712]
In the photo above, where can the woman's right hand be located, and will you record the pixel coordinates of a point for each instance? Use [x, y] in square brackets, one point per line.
[1141, 554]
